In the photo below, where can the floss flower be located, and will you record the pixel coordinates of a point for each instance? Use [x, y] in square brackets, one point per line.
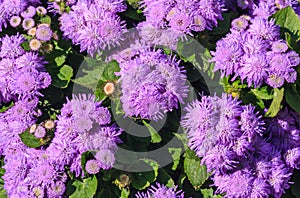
[249, 157]
[183, 16]
[22, 73]
[94, 25]
[10, 8]
[29, 173]
[151, 83]
[256, 54]
[81, 128]
[160, 191]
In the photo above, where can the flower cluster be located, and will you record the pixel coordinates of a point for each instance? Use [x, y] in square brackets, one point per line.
[151, 82]
[160, 191]
[11, 9]
[266, 8]
[14, 121]
[84, 126]
[29, 173]
[94, 25]
[182, 15]
[39, 34]
[254, 52]
[263, 7]
[22, 73]
[247, 160]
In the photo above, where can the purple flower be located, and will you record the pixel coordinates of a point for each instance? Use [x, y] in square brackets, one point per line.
[57, 189]
[279, 46]
[264, 29]
[227, 56]
[28, 23]
[30, 170]
[105, 159]
[237, 184]
[11, 46]
[256, 54]
[182, 16]
[92, 167]
[41, 10]
[44, 32]
[246, 158]
[254, 69]
[40, 132]
[240, 23]
[29, 12]
[158, 81]
[15, 21]
[73, 138]
[161, 191]
[93, 25]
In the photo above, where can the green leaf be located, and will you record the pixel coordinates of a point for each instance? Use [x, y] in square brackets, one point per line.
[196, 173]
[191, 51]
[30, 140]
[124, 193]
[287, 18]
[183, 138]
[276, 103]
[154, 165]
[209, 193]
[4, 108]
[134, 3]
[65, 73]
[86, 188]
[165, 178]
[132, 13]
[46, 19]
[25, 45]
[3, 194]
[292, 96]
[143, 180]
[262, 93]
[90, 80]
[155, 137]
[208, 66]
[292, 41]
[60, 60]
[176, 153]
[109, 71]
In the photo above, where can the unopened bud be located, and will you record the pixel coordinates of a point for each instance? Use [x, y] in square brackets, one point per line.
[109, 88]
[49, 124]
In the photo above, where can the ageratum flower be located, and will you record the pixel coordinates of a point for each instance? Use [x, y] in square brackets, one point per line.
[94, 25]
[82, 126]
[266, 8]
[9, 8]
[29, 173]
[22, 73]
[29, 12]
[183, 16]
[15, 121]
[15, 21]
[151, 83]
[28, 23]
[43, 32]
[256, 54]
[285, 130]
[246, 158]
[161, 191]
